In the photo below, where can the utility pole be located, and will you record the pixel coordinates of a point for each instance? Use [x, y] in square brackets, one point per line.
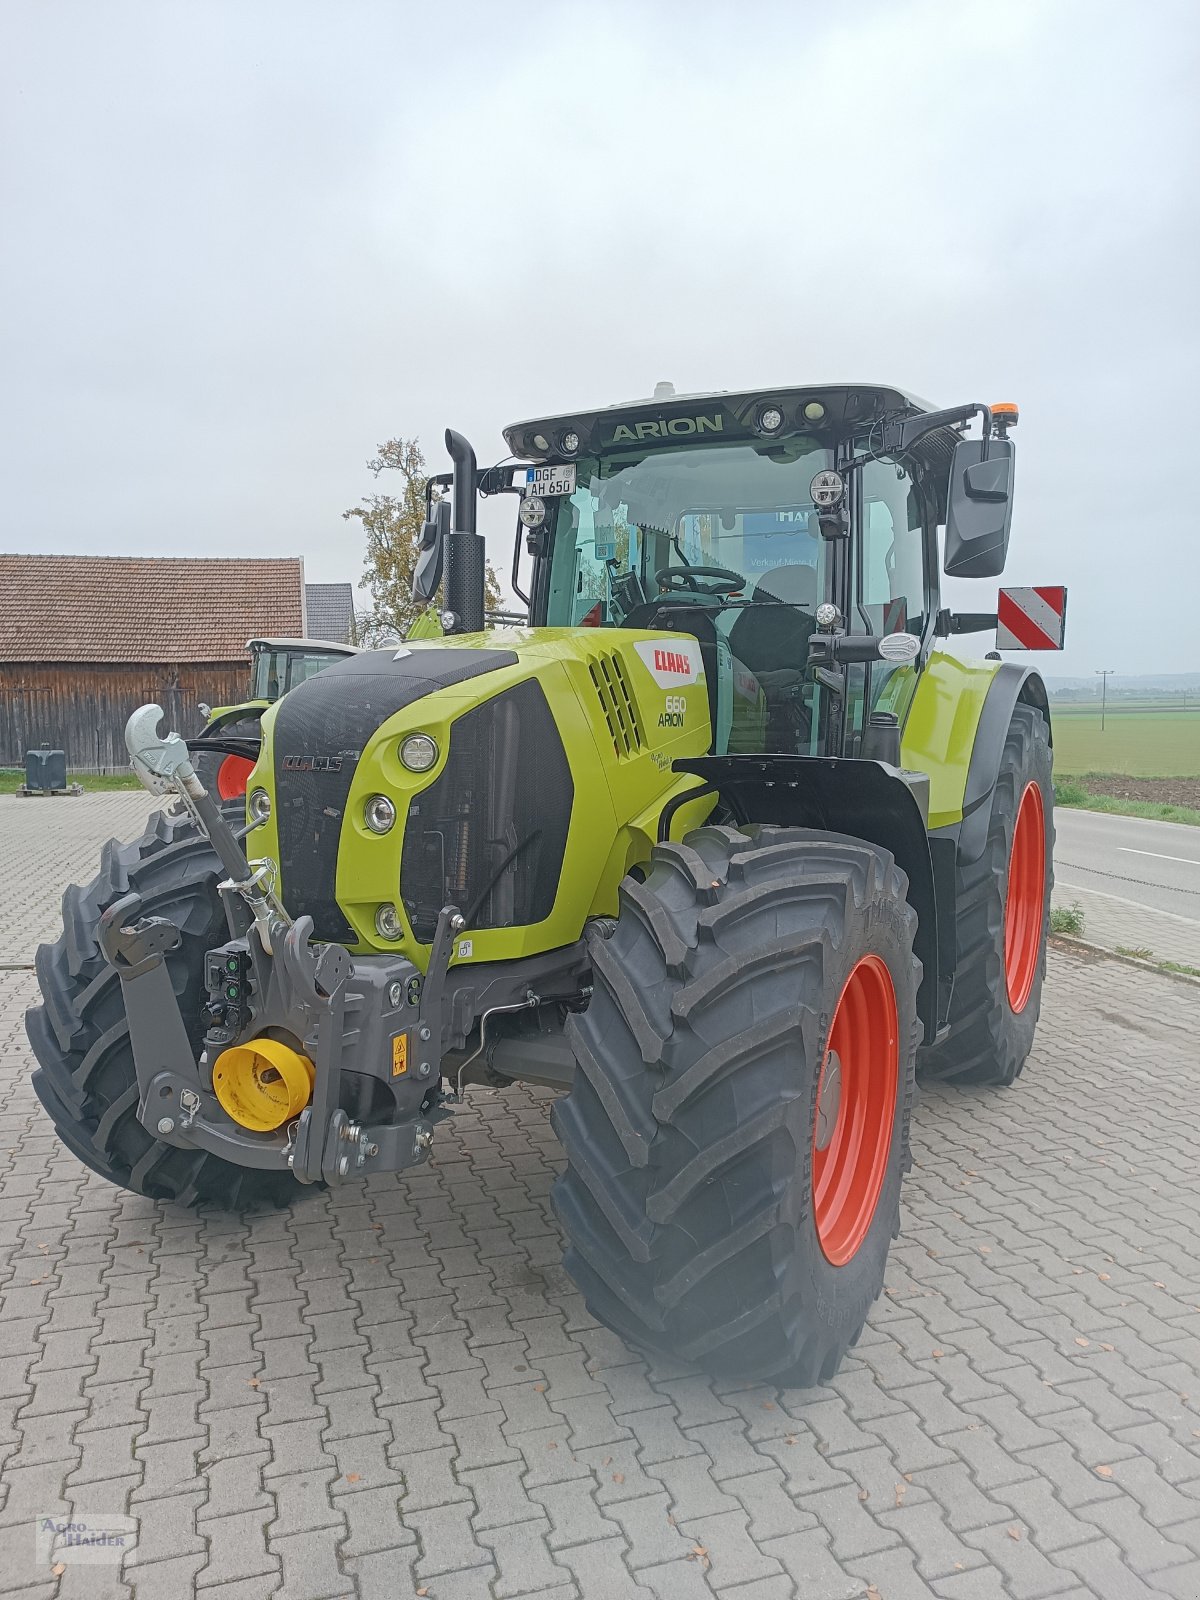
[1104, 675]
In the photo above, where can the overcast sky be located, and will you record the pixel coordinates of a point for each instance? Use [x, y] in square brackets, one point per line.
[241, 243]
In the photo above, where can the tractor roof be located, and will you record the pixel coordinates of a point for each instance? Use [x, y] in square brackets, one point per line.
[732, 414]
[329, 646]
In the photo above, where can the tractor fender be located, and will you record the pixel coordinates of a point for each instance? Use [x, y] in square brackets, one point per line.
[1012, 684]
[868, 799]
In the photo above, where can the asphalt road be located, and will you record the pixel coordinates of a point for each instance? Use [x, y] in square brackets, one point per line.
[1152, 864]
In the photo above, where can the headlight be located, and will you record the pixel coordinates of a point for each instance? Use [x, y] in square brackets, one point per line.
[418, 752]
[570, 442]
[388, 924]
[379, 813]
[533, 511]
[259, 805]
[770, 419]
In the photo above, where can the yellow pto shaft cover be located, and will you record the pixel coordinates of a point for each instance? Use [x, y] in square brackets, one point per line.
[263, 1084]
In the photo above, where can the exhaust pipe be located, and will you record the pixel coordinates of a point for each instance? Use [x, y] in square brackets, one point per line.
[463, 583]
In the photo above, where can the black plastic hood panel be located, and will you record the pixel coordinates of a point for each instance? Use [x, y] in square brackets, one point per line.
[321, 729]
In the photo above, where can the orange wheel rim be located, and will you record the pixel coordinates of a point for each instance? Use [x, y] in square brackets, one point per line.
[856, 1109]
[232, 777]
[1025, 901]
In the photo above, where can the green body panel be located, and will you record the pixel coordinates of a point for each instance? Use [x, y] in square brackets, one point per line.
[427, 626]
[939, 733]
[619, 741]
[225, 713]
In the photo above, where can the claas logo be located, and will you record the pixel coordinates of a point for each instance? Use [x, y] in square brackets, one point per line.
[672, 661]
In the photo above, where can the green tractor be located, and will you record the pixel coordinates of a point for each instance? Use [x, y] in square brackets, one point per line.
[227, 746]
[722, 844]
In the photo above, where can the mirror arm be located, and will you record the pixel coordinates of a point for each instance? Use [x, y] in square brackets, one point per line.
[949, 622]
[491, 479]
[901, 433]
[438, 480]
[516, 568]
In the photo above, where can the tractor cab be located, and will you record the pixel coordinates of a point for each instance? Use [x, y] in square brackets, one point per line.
[791, 532]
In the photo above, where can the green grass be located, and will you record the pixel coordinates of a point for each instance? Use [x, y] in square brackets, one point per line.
[1075, 796]
[1141, 953]
[1139, 741]
[11, 779]
[1068, 920]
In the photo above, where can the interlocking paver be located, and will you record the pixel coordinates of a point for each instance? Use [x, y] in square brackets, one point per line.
[601, 1573]
[523, 1559]
[397, 1386]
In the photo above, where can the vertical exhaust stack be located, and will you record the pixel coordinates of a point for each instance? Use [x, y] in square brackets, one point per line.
[464, 547]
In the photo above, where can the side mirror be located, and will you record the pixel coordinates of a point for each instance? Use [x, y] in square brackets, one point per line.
[427, 573]
[979, 508]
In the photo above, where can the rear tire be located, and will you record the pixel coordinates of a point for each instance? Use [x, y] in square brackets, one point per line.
[85, 1076]
[1000, 968]
[693, 1223]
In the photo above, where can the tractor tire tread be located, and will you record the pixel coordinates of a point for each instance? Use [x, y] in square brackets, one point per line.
[85, 1076]
[665, 1194]
[987, 1044]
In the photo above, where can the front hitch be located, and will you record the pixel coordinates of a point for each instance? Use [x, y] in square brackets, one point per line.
[375, 1017]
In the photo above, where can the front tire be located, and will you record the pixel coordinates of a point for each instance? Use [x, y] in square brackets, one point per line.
[85, 1077]
[1003, 921]
[732, 1189]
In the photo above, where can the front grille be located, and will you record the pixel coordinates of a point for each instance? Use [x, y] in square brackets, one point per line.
[617, 704]
[321, 729]
[488, 834]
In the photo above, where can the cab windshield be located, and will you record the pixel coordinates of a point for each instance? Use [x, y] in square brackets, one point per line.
[274, 672]
[635, 526]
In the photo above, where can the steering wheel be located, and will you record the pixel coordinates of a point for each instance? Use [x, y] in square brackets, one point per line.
[682, 580]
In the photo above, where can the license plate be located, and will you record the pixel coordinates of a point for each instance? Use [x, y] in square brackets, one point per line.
[550, 480]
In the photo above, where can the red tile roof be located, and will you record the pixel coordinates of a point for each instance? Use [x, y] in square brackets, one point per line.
[142, 608]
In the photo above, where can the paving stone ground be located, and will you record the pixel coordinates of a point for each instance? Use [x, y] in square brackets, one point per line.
[1115, 922]
[395, 1390]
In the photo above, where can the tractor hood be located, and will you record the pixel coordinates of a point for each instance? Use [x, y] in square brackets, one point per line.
[540, 749]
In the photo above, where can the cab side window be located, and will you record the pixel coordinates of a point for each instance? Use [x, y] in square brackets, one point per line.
[892, 577]
[893, 593]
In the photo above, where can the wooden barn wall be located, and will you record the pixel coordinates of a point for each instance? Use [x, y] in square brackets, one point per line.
[82, 709]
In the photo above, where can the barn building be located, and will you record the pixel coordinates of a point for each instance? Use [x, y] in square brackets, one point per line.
[84, 640]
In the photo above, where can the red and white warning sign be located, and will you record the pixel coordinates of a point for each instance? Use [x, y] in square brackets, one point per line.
[1031, 619]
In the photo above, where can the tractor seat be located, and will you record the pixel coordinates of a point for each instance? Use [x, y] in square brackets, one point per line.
[773, 638]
